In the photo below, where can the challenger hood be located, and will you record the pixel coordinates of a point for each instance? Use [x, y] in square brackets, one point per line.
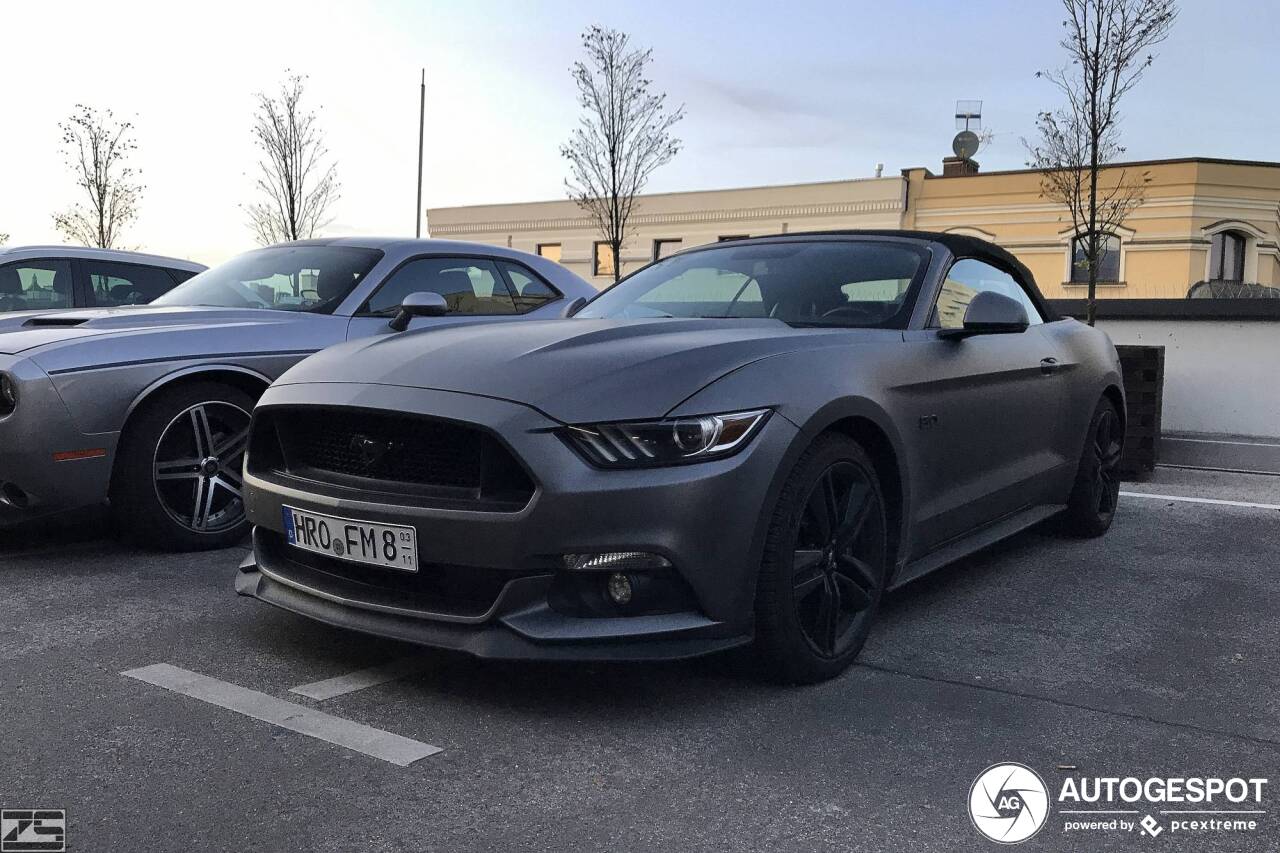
[571, 370]
[28, 330]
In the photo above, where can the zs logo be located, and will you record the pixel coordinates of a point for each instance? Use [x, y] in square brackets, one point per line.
[32, 830]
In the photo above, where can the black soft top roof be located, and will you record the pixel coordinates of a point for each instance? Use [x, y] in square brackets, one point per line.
[960, 245]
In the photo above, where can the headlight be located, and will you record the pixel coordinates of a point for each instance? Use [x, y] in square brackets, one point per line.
[646, 444]
[8, 395]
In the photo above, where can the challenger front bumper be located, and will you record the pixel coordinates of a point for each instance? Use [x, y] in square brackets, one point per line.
[703, 518]
[33, 482]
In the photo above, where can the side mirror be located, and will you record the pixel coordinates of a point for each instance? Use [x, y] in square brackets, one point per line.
[420, 304]
[991, 313]
[573, 307]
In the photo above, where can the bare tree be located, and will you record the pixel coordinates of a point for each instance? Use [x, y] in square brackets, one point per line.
[623, 135]
[4, 238]
[1108, 43]
[296, 189]
[97, 148]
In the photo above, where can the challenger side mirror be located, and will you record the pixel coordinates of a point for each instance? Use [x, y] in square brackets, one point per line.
[420, 304]
[573, 307]
[990, 313]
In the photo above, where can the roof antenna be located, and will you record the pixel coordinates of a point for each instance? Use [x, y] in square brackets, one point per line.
[968, 119]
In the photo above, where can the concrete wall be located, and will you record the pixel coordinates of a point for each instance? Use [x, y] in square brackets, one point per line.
[1221, 376]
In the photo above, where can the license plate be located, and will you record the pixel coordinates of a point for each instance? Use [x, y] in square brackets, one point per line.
[391, 546]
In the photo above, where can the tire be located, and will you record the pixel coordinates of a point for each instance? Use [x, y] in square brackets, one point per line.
[1091, 506]
[813, 567]
[177, 481]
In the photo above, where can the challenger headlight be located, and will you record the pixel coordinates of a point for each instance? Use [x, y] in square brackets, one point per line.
[8, 395]
[646, 444]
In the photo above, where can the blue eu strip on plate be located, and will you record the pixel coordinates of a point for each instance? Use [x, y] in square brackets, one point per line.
[288, 526]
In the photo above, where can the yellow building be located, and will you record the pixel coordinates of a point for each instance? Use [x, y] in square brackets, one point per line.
[1201, 219]
[667, 222]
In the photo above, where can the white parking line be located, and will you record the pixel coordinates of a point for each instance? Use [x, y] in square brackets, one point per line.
[1220, 441]
[360, 679]
[1199, 500]
[401, 751]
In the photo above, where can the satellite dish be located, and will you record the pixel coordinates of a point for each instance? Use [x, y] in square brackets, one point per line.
[965, 144]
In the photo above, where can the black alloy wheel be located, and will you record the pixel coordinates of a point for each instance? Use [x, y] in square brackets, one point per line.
[838, 547]
[1107, 448]
[826, 564]
[1095, 496]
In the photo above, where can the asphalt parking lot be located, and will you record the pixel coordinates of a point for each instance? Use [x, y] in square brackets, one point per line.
[1152, 651]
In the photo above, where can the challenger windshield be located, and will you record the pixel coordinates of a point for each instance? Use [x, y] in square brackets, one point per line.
[854, 283]
[286, 278]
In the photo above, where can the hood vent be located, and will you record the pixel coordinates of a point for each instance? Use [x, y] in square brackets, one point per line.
[61, 322]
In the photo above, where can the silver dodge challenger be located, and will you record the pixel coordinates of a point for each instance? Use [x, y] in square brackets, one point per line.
[149, 406]
[747, 442]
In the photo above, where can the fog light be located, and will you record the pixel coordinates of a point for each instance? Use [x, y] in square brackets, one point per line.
[614, 561]
[619, 588]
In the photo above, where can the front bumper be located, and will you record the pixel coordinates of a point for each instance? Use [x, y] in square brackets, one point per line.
[32, 483]
[703, 518]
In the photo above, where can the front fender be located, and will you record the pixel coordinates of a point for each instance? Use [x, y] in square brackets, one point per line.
[818, 400]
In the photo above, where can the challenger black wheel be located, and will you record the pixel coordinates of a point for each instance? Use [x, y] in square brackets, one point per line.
[825, 564]
[177, 482]
[1092, 505]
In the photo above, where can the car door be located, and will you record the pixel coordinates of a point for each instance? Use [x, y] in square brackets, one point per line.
[474, 288]
[988, 411]
[36, 285]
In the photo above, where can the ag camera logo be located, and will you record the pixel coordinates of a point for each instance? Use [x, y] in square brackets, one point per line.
[1008, 803]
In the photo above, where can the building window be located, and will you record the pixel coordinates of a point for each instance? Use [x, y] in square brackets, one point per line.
[1108, 260]
[665, 247]
[604, 260]
[725, 238]
[1226, 256]
[550, 251]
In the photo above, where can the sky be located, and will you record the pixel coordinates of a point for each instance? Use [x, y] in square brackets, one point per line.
[773, 93]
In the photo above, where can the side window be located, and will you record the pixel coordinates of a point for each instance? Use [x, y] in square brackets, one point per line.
[966, 279]
[125, 284]
[471, 286]
[35, 285]
[530, 291]
[179, 276]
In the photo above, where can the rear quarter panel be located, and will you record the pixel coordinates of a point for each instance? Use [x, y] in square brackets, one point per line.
[1091, 365]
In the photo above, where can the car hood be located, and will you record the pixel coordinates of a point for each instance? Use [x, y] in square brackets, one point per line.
[28, 330]
[571, 370]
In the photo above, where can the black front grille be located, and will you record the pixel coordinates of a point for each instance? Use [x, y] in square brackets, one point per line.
[372, 451]
[401, 448]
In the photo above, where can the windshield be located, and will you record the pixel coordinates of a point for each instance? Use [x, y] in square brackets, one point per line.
[286, 278]
[852, 283]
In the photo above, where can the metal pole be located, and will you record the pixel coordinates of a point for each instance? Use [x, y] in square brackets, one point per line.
[422, 119]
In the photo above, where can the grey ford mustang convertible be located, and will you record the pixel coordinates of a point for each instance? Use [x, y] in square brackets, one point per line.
[150, 405]
[747, 442]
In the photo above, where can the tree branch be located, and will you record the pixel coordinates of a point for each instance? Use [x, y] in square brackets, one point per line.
[623, 135]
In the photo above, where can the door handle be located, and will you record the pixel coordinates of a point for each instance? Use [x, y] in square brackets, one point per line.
[1049, 365]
